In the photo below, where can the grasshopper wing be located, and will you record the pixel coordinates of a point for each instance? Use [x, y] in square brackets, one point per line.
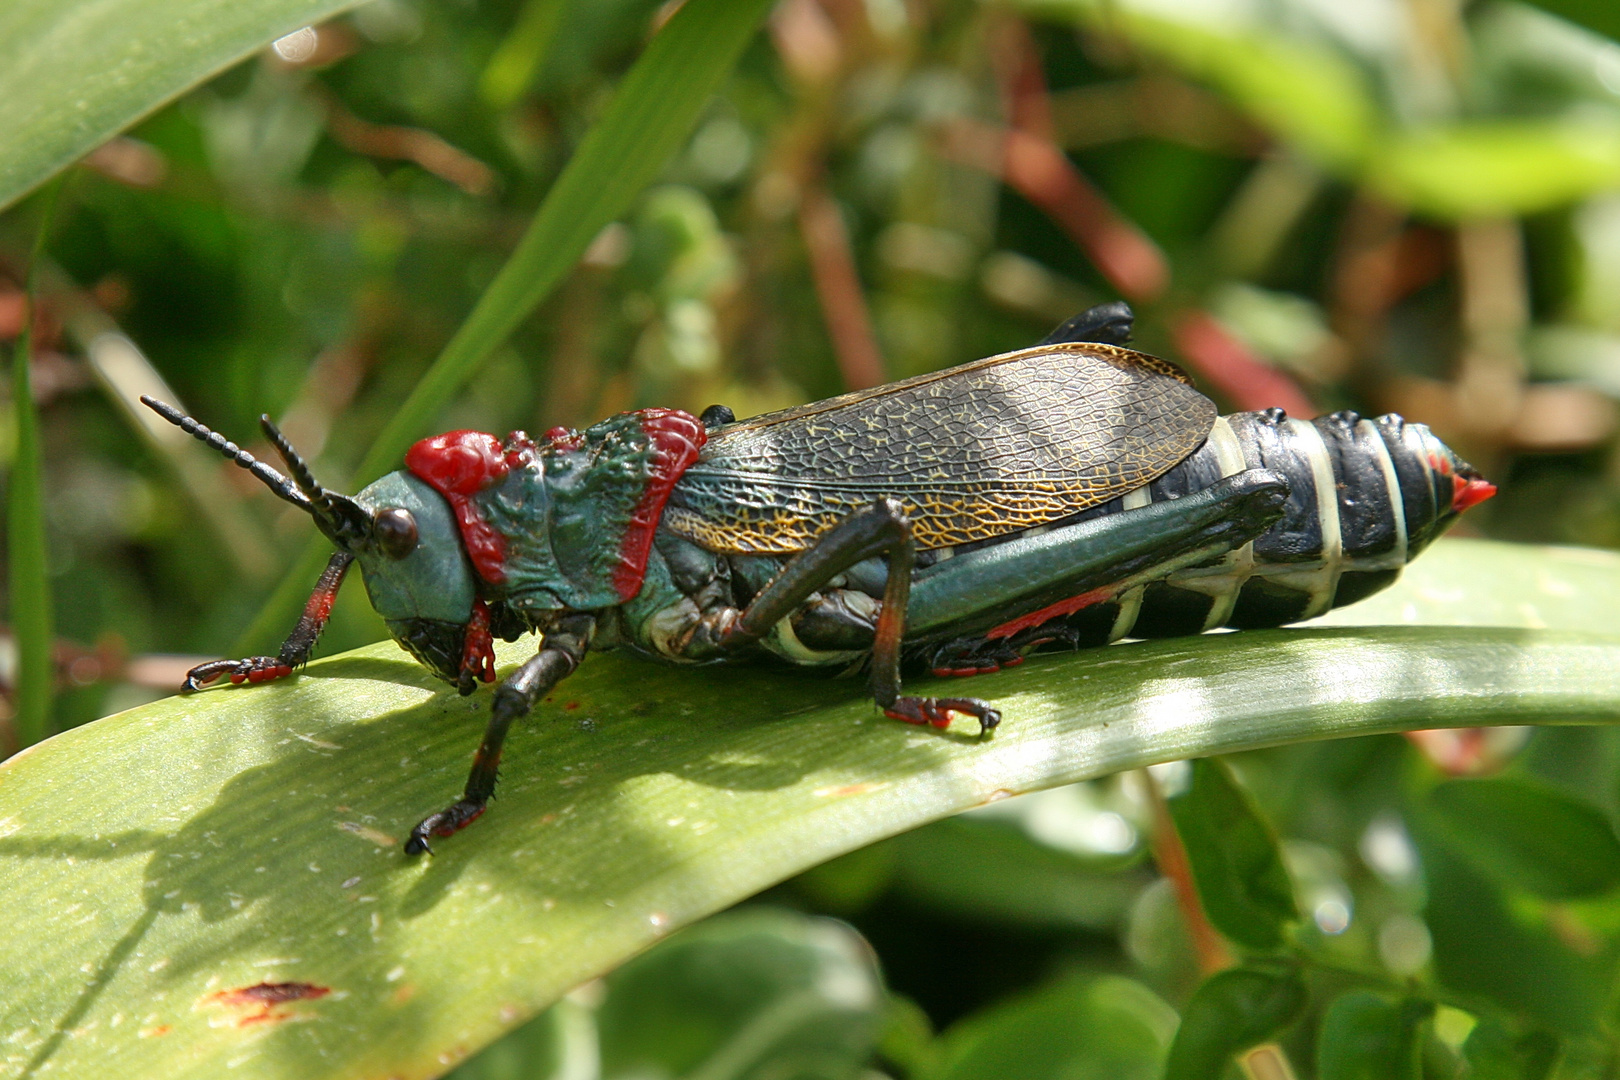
[991, 447]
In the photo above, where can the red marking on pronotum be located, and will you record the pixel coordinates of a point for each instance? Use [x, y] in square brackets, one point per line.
[1466, 493]
[1054, 611]
[675, 437]
[459, 465]
[478, 646]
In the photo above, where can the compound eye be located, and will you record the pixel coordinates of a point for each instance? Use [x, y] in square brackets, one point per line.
[395, 530]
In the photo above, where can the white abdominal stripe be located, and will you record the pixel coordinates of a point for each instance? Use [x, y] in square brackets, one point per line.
[1344, 534]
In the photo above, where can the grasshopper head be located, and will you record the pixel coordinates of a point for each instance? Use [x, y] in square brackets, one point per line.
[416, 571]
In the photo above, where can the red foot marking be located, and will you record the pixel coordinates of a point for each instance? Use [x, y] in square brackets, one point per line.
[939, 720]
[459, 465]
[451, 830]
[1054, 611]
[264, 674]
[676, 438]
[478, 649]
[1466, 493]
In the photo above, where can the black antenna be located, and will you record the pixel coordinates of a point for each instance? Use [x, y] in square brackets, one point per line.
[301, 475]
[283, 487]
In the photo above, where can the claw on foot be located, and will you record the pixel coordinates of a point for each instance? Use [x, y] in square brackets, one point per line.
[447, 822]
[938, 711]
[254, 669]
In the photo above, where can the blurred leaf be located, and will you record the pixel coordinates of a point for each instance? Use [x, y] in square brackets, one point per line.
[747, 996]
[1302, 89]
[74, 75]
[1599, 15]
[1306, 78]
[1231, 1011]
[28, 584]
[1494, 1052]
[1530, 836]
[1497, 167]
[1236, 862]
[653, 110]
[1487, 946]
[1084, 1027]
[1371, 1036]
[988, 872]
[536, 1051]
[908, 1036]
[689, 790]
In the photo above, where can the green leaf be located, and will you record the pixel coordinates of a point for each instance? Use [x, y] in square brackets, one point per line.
[29, 583]
[1085, 1027]
[1230, 1012]
[756, 993]
[1235, 860]
[1312, 86]
[73, 75]
[1495, 1052]
[751, 995]
[1599, 15]
[650, 116]
[131, 849]
[1530, 836]
[1371, 1036]
[1509, 954]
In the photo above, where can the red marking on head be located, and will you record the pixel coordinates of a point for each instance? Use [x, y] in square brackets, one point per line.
[562, 438]
[478, 647]
[1052, 611]
[459, 465]
[676, 438]
[1466, 493]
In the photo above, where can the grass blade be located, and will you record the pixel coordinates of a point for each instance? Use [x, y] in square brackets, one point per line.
[651, 114]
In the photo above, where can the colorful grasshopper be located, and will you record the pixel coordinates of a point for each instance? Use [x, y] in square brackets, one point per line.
[1073, 493]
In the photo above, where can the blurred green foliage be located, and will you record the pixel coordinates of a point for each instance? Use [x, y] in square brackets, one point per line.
[1384, 205]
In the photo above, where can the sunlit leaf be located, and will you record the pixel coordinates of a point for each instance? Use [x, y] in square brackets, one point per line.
[153, 862]
[74, 75]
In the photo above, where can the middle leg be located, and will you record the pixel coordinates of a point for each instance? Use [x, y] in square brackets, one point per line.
[879, 529]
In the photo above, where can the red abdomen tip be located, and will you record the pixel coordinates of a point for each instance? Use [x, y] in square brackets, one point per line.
[1468, 493]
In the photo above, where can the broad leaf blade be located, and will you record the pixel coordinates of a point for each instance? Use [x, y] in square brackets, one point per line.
[1236, 862]
[1084, 1027]
[73, 75]
[1230, 1012]
[130, 849]
[1530, 836]
[1371, 1036]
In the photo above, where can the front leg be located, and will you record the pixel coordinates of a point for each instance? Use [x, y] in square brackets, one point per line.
[565, 646]
[880, 528]
[294, 651]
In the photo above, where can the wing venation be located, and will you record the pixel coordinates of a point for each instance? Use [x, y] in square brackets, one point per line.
[992, 447]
